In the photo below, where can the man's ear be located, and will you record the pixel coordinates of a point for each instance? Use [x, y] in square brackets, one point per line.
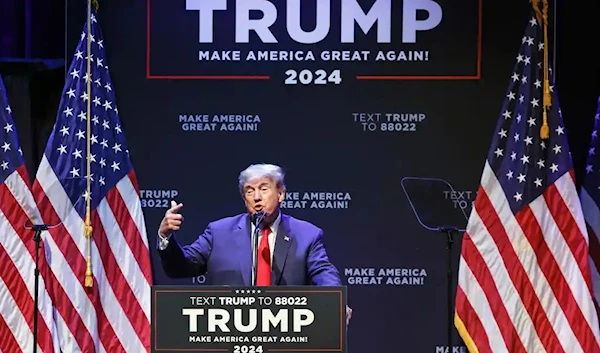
[281, 195]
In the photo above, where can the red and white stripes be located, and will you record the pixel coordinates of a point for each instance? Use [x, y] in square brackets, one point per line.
[114, 314]
[17, 258]
[524, 279]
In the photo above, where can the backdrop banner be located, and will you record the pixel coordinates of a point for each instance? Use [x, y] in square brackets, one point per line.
[349, 97]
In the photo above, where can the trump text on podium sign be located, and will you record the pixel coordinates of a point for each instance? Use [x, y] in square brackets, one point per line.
[250, 320]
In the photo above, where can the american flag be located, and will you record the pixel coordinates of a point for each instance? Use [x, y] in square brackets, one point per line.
[18, 212]
[113, 315]
[590, 202]
[524, 280]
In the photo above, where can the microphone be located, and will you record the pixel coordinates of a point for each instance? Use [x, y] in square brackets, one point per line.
[256, 219]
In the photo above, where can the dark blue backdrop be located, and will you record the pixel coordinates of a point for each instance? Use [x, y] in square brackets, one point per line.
[316, 133]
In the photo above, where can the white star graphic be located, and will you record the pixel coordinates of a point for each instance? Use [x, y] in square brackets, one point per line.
[74, 172]
[557, 149]
[524, 79]
[518, 196]
[68, 111]
[540, 163]
[535, 102]
[64, 130]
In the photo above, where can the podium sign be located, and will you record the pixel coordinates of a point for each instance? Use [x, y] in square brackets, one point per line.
[248, 319]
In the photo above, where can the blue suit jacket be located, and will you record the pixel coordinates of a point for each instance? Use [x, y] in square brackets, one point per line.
[223, 253]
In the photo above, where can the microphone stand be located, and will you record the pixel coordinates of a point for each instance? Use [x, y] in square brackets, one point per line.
[259, 216]
[37, 238]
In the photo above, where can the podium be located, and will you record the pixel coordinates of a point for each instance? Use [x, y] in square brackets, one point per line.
[231, 319]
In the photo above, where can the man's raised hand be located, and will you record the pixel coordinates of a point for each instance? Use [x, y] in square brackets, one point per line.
[172, 220]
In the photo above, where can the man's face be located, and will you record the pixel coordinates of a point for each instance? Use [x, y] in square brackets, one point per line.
[262, 194]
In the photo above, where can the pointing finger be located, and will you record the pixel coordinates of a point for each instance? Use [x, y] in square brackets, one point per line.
[175, 207]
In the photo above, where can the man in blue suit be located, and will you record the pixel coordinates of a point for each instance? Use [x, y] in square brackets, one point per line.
[291, 251]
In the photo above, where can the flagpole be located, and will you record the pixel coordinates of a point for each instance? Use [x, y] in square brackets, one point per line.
[87, 228]
[545, 130]
[542, 17]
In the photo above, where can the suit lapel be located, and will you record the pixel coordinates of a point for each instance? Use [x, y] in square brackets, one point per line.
[282, 245]
[245, 255]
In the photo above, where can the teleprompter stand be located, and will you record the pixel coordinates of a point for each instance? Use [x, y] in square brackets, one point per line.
[440, 208]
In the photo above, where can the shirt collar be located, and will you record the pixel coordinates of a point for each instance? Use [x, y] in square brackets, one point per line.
[274, 226]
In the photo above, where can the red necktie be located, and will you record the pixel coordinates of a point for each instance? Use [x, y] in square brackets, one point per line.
[263, 275]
